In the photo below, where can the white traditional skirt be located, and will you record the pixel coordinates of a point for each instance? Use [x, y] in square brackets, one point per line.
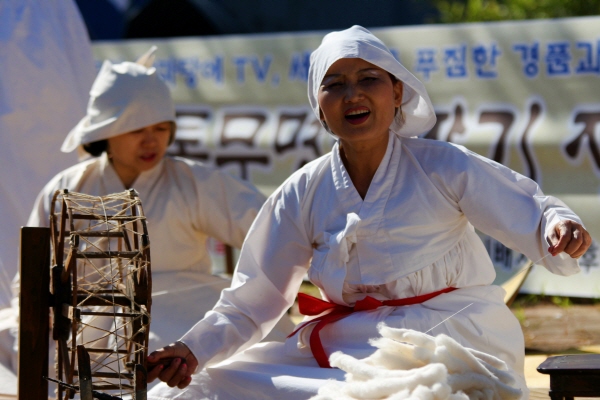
[476, 317]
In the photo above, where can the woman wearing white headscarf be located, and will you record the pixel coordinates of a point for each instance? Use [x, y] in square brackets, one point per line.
[129, 124]
[384, 226]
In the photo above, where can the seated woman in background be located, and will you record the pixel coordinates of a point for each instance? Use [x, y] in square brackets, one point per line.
[384, 217]
[130, 122]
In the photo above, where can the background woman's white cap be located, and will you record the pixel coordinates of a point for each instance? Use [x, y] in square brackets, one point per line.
[123, 98]
[418, 115]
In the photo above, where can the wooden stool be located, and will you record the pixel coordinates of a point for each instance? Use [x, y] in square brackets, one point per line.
[576, 375]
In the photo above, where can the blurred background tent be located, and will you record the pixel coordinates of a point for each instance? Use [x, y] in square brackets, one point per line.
[46, 70]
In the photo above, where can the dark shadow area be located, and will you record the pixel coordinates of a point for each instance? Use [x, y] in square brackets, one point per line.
[128, 19]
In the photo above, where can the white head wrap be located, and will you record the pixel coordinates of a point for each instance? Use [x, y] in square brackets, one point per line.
[418, 115]
[123, 98]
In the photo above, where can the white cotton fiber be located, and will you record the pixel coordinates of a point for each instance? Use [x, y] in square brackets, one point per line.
[332, 391]
[410, 365]
[359, 370]
[458, 351]
[418, 339]
[425, 393]
[381, 387]
[472, 381]
[469, 381]
[454, 365]
[397, 355]
[503, 375]
[458, 396]
[489, 359]
[402, 395]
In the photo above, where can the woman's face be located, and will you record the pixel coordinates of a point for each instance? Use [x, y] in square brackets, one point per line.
[358, 100]
[134, 152]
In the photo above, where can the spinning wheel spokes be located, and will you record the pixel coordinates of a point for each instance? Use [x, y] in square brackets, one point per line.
[101, 284]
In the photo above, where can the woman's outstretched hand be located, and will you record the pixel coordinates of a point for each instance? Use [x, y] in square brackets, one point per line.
[173, 364]
[570, 237]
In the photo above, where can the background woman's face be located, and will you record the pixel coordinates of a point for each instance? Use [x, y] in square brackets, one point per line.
[358, 99]
[134, 152]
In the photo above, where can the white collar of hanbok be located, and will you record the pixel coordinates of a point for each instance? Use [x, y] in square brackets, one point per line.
[142, 184]
[363, 218]
[380, 187]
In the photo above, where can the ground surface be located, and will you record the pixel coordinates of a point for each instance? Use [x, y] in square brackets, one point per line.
[550, 328]
[562, 326]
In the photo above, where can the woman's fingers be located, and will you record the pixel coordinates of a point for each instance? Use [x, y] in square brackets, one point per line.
[579, 243]
[172, 364]
[154, 371]
[179, 374]
[558, 238]
[156, 362]
[569, 237]
[185, 382]
[170, 374]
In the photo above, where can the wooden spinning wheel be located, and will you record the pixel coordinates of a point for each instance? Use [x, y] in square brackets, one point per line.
[100, 295]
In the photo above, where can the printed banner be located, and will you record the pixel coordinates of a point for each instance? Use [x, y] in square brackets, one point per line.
[522, 93]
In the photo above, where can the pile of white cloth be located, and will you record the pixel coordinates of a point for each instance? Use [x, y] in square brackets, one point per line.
[413, 365]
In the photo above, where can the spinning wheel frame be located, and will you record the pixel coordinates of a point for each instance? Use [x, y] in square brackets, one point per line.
[100, 308]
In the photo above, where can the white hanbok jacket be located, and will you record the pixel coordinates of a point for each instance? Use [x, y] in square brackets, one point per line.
[412, 234]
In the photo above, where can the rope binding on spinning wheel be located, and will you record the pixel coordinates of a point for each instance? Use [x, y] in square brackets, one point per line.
[101, 288]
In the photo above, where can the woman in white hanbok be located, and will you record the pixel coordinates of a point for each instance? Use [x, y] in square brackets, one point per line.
[384, 226]
[129, 125]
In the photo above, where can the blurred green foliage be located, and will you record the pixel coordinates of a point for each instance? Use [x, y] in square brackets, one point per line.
[531, 300]
[456, 11]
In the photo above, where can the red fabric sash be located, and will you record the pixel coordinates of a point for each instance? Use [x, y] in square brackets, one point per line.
[310, 305]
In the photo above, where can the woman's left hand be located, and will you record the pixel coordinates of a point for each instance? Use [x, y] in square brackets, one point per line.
[173, 364]
[569, 237]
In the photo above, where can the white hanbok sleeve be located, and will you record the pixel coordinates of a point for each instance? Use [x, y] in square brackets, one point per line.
[70, 179]
[39, 217]
[505, 205]
[226, 205]
[273, 261]
[40, 214]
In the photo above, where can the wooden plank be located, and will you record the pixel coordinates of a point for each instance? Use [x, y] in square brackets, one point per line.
[513, 285]
[229, 262]
[108, 254]
[113, 234]
[582, 364]
[34, 303]
[85, 374]
[141, 382]
[98, 217]
[103, 300]
[573, 375]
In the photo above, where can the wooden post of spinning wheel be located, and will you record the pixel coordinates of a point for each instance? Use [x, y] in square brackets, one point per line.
[101, 295]
[34, 315]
